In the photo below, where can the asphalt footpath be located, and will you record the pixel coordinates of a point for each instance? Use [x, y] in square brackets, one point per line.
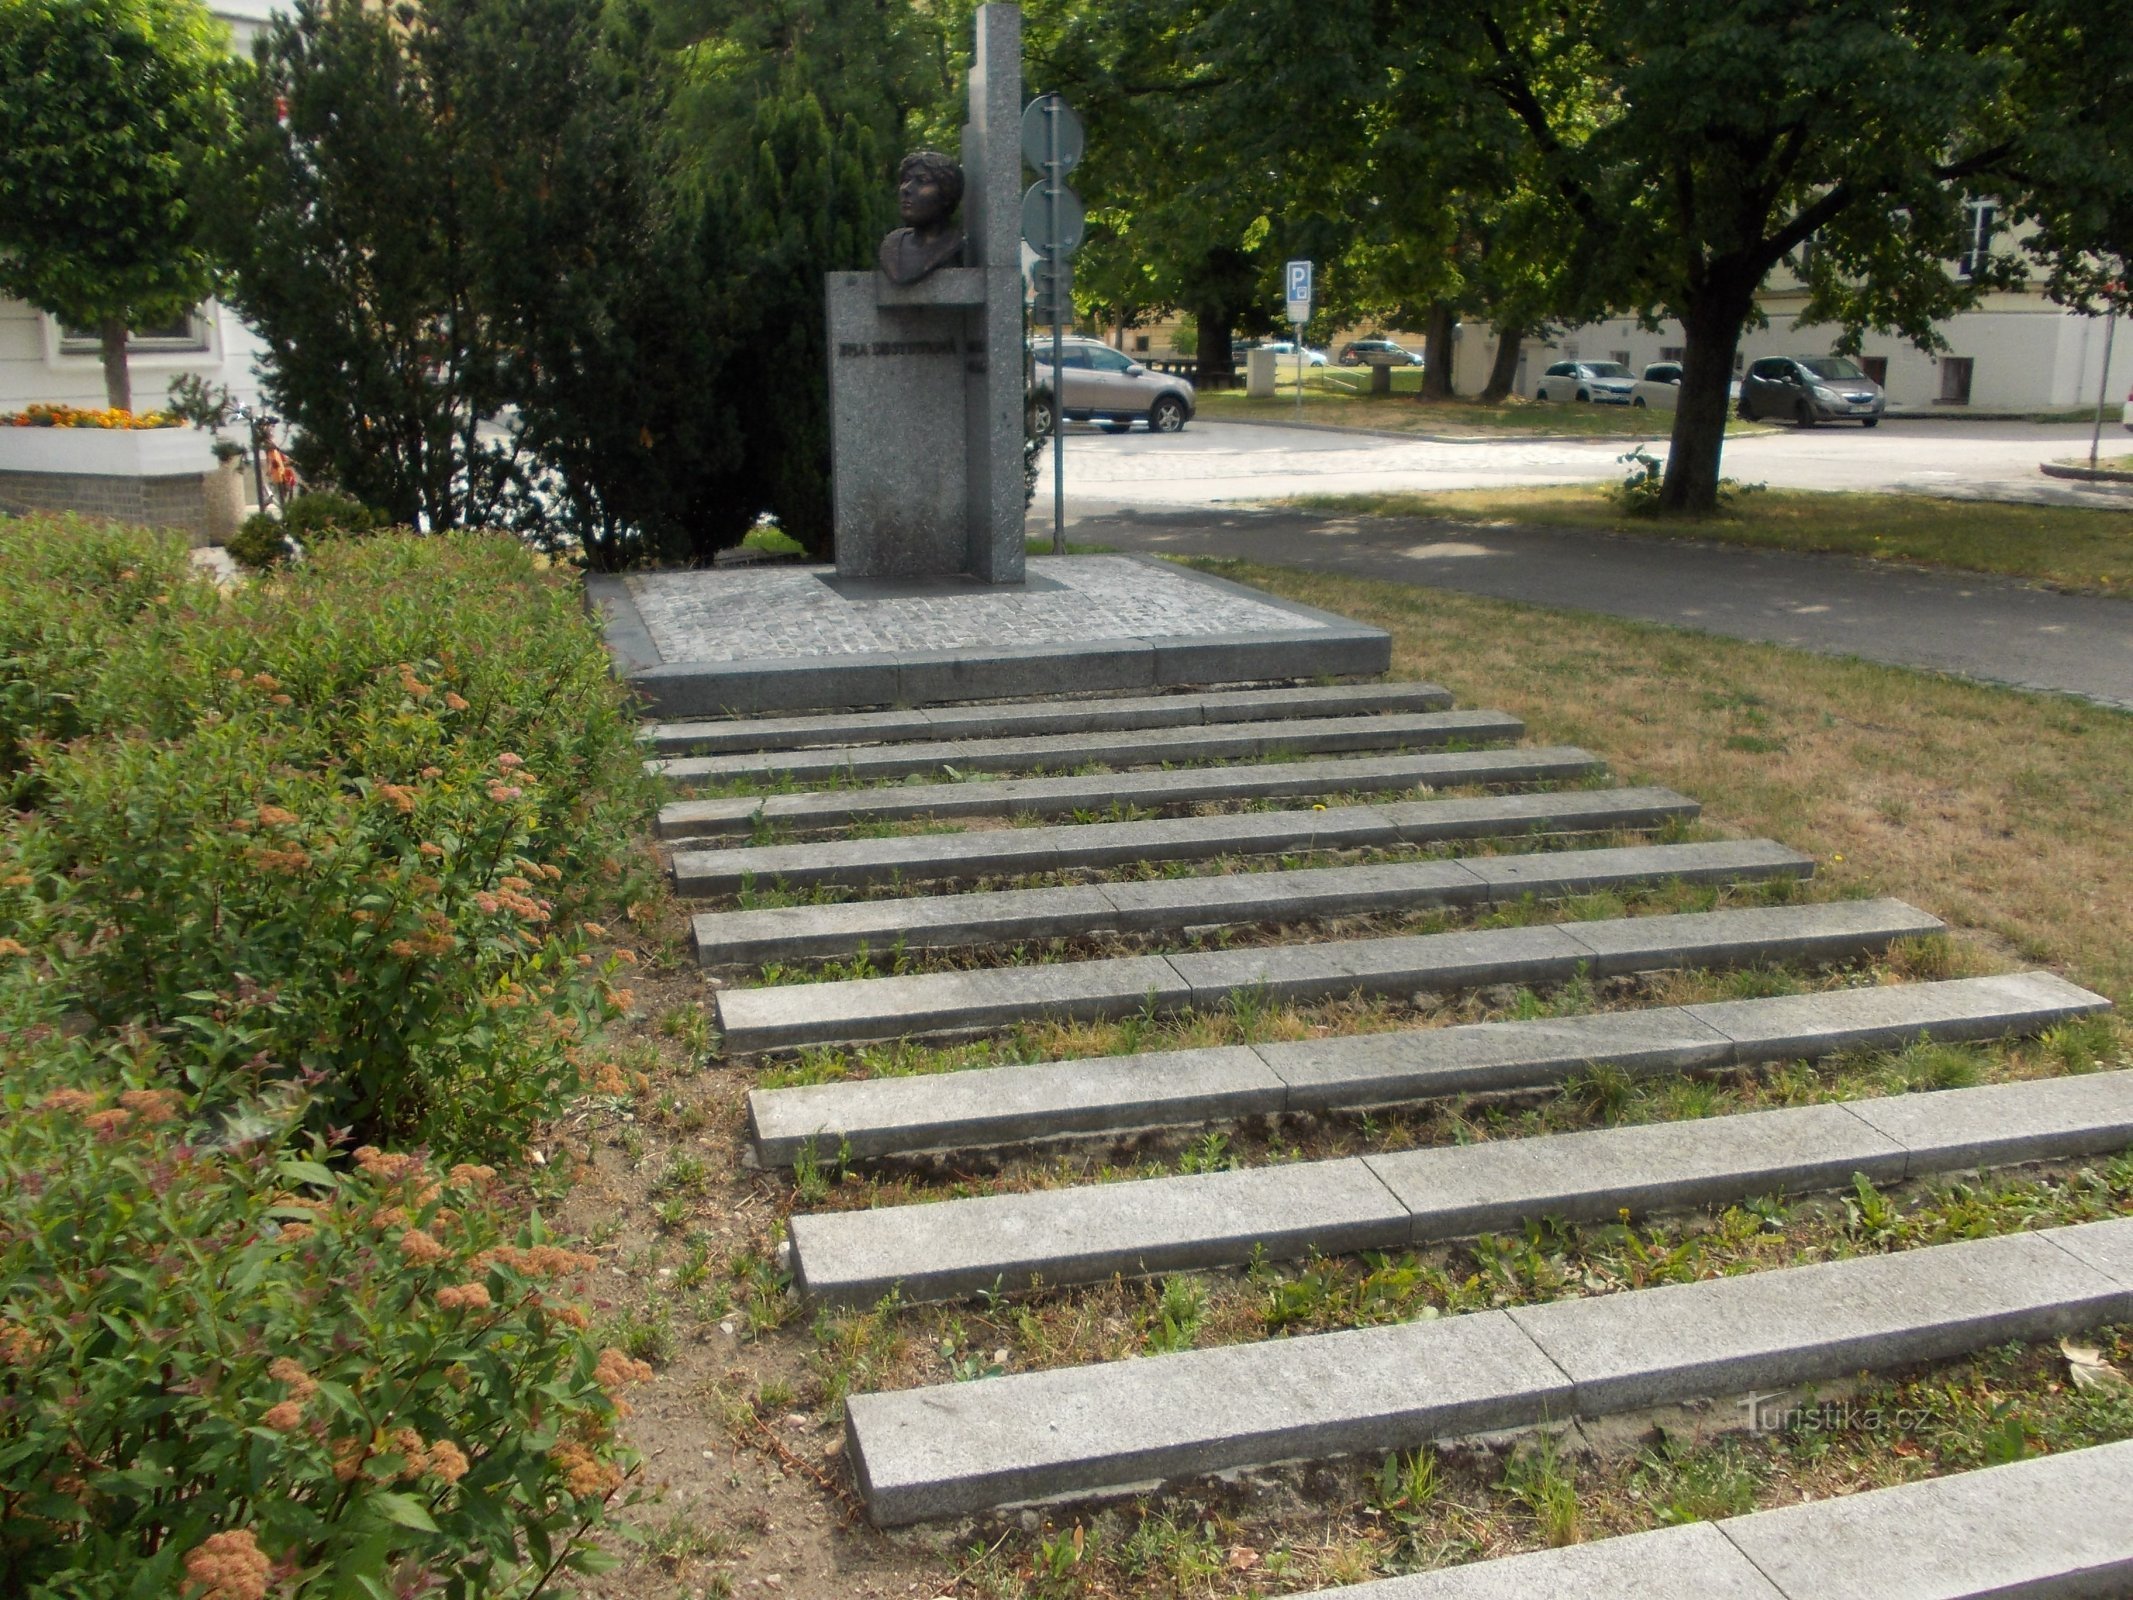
[1994, 629]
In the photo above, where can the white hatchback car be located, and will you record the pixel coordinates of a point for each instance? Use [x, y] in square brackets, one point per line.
[1604, 383]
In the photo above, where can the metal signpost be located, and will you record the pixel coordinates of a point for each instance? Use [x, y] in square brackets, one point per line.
[2103, 388]
[1297, 279]
[1053, 221]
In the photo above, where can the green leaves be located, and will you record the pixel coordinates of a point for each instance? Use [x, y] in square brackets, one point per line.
[113, 110]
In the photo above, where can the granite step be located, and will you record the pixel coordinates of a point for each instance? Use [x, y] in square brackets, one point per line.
[1230, 741]
[956, 1448]
[1020, 719]
[951, 1249]
[1168, 906]
[919, 858]
[946, 1004]
[1155, 788]
[2057, 1527]
[1114, 1095]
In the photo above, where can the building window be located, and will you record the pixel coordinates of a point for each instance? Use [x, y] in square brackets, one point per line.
[1877, 368]
[1955, 374]
[1977, 239]
[1140, 341]
[185, 332]
[1673, 352]
[1619, 357]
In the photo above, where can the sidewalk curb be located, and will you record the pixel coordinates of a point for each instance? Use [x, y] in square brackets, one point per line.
[2052, 469]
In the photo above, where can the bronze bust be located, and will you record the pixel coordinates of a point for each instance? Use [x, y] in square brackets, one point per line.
[929, 186]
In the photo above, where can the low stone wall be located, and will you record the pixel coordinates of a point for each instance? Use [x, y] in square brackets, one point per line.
[178, 501]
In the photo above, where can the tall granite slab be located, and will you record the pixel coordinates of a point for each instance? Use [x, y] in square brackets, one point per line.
[926, 379]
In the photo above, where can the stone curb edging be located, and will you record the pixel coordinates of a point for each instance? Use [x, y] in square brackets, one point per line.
[857, 863]
[955, 1448]
[2052, 469]
[2056, 1527]
[1016, 720]
[789, 1016]
[951, 1249]
[1114, 1095]
[1055, 797]
[1214, 741]
[1167, 906]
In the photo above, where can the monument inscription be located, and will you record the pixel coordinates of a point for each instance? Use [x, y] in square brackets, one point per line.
[926, 451]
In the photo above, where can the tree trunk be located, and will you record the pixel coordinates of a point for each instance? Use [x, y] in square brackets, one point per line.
[118, 383]
[1217, 366]
[1711, 323]
[1503, 373]
[1437, 353]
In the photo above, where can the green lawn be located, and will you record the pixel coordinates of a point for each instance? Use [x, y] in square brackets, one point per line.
[2066, 546]
[1339, 397]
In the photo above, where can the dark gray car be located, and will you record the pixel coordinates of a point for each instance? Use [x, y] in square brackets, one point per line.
[1811, 389]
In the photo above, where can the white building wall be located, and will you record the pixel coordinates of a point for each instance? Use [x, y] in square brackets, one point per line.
[2026, 353]
[33, 367]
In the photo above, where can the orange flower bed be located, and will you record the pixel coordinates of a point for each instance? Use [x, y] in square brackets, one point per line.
[53, 414]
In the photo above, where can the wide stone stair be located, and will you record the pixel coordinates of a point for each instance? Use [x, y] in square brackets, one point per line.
[1381, 867]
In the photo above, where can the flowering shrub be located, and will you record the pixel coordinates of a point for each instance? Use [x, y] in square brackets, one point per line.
[318, 853]
[345, 827]
[53, 414]
[229, 1370]
[68, 588]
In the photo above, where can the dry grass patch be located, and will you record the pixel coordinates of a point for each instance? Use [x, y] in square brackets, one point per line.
[2068, 547]
[2008, 814]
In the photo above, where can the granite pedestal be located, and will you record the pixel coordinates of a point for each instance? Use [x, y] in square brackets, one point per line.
[738, 641]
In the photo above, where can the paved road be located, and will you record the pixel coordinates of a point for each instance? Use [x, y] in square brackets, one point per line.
[1979, 627]
[1217, 463]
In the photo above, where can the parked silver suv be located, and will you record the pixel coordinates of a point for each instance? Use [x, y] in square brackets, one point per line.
[1106, 385]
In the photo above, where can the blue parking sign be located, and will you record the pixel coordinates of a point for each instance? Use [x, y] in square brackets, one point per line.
[1298, 277]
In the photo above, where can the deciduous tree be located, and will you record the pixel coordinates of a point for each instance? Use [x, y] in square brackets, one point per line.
[108, 109]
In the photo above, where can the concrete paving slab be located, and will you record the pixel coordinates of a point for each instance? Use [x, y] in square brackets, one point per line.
[1892, 1016]
[1001, 1105]
[2106, 1246]
[1006, 1105]
[938, 1004]
[1549, 873]
[996, 851]
[1376, 1069]
[1234, 741]
[948, 1249]
[1458, 1190]
[960, 1447]
[1063, 797]
[1831, 931]
[1165, 905]
[915, 922]
[2047, 1119]
[1695, 1562]
[1012, 719]
[1383, 966]
[854, 1011]
[1766, 1330]
[1093, 1232]
[2056, 1527]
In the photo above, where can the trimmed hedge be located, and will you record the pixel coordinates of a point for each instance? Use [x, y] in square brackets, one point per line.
[315, 855]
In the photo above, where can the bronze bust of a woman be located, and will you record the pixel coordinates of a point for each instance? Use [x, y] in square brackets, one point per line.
[929, 186]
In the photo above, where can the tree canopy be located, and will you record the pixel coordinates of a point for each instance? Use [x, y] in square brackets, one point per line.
[109, 108]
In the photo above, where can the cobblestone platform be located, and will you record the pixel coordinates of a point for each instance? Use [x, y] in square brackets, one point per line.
[795, 638]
